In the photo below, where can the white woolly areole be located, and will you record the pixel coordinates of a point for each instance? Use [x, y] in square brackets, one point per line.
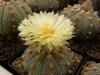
[46, 29]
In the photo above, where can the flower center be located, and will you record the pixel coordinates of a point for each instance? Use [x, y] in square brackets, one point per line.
[47, 30]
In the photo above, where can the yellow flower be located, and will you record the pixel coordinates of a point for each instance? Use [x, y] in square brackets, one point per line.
[46, 29]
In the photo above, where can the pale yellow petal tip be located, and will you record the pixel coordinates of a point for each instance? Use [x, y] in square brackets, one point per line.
[49, 29]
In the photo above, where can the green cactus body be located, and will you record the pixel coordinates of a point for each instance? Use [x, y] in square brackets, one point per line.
[59, 62]
[87, 25]
[46, 4]
[11, 14]
[86, 21]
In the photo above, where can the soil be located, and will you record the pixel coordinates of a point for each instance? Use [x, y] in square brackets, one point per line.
[18, 66]
[9, 47]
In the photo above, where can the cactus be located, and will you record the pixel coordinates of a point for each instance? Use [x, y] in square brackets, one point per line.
[93, 69]
[11, 14]
[86, 20]
[48, 52]
[58, 62]
[47, 5]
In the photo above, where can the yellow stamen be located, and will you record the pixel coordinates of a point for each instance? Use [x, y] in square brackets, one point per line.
[47, 30]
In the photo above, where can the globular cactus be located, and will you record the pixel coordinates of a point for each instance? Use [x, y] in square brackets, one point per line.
[46, 5]
[11, 14]
[86, 20]
[92, 69]
[48, 52]
[59, 62]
